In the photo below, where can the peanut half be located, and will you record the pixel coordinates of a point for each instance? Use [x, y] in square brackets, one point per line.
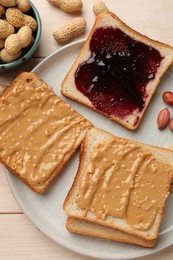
[75, 27]
[68, 6]
[163, 118]
[168, 97]
[99, 7]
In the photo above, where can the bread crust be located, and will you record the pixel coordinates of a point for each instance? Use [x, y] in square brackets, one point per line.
[42, 187]
[137, 36]
[83, 227]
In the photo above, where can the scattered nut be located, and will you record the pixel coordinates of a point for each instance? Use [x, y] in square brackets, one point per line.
[74, 27]
[15, 42]
[171, 124]
[23, 5]
[163, 118]
[2, 89]
[99, 7]
[2, 11]
[8, 3]
[5, 29]
[7, 57]
[68, 6]
[16, 18]
[168, 97]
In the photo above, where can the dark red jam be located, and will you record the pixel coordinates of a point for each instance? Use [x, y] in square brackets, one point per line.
[115, 76]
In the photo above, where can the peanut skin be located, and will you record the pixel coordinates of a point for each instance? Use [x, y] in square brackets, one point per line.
[68, 6]
[163, 118]
[5, 29]
[8, 3]
[15, 42]
[16, 18]
[168, 97]
[75, 27]
[6, 57]
[99, 7]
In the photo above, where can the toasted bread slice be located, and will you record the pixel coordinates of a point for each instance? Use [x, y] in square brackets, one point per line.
[83, 227]
[2, 89]
[117, 88]
[117, 184]
[39, 132]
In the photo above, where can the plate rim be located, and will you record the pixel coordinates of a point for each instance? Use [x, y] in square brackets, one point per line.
[37, 223]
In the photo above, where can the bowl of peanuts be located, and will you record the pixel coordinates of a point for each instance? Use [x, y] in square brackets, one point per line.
[20, 32]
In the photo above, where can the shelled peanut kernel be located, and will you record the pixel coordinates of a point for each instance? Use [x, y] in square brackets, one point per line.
[171, 124]
[168, 97]
[163, 118]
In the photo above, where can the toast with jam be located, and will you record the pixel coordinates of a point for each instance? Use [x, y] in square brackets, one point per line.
[117, 71]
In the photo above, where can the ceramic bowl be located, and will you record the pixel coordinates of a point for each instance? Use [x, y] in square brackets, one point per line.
[28, 52]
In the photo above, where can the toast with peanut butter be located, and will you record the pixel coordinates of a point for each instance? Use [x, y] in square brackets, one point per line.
[117, 71]
[83, 227]
[117, 184]
[39, 132]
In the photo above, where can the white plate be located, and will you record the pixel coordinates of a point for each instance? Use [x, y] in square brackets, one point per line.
[45, 210]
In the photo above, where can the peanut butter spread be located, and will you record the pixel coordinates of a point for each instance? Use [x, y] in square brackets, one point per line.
[37, 129]
[124, 181]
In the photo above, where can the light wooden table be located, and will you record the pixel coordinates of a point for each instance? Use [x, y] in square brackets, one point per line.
[19, 238]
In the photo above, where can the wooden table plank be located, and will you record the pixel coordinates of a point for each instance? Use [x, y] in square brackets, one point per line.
[8, 203]
[23, 241]
[8, 77]
[30, 243]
